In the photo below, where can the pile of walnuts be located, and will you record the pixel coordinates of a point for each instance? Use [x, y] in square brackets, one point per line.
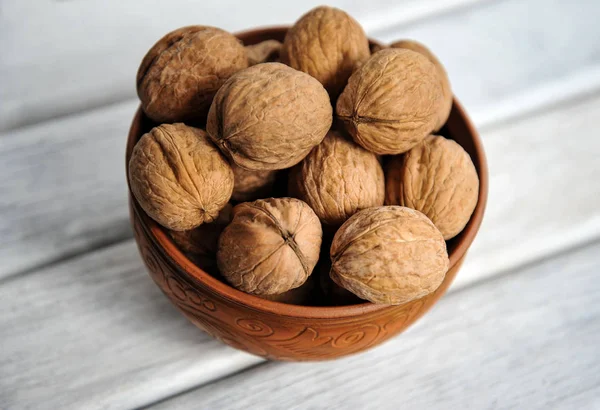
[267, 168]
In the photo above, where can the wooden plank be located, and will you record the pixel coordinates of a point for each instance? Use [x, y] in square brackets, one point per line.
[544, 195]
[539, 174]
[497, 51]
[97, 333]
[63, 188]
[90, 50]
[524, 340]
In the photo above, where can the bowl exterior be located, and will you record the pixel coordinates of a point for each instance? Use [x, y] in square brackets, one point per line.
[266, 334]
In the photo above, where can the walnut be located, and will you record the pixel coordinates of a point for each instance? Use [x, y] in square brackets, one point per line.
[263, 52]
[337, 179]
[269, 116]
[179, 177]
[438, 178]
[251, 185]
[446, 107]
[389, 255]
[327, 44]
[201, 243]
[270, 246]
[392, 102]
[181, 73]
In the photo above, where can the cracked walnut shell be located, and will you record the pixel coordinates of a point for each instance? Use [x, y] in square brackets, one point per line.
[446, 107]
[270, 246]
[179, 177]
[392, 102]
[337, 179]
[327, 44]
[438, 178]
[181, 73]
[389, 255]
[269, 116]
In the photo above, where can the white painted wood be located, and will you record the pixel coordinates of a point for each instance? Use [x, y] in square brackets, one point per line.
[500, 50]
[96, 333]
[63, 187]
[89, 51]
[525, 340]
[68, 56]
[544, 193]
[68, 194]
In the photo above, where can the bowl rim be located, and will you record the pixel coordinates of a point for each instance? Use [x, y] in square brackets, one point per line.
[197, 275]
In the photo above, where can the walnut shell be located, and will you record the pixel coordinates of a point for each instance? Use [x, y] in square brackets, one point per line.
[263, 52]
[438, 178]
[201, 243]
[269, 116]
[389, 255]
[251, 185]
[392, 102]
[337, 179]
[446, 107]
[270, 246]
[181, 73]
[179, 177]
[327, 44]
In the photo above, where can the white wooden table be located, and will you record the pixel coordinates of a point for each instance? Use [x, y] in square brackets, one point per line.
[82, 326]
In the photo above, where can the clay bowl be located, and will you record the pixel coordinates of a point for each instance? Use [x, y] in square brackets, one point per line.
[281, 331]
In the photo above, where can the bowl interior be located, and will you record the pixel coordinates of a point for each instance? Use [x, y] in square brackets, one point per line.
[458, 128]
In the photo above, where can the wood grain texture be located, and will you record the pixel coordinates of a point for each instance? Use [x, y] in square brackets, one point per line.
[544, 192]
[91, 49]
[63, 188]
[524, 340]
[95, 333]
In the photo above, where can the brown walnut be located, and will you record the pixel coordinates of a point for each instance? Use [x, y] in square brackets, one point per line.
[438, 178]
[201, 243]
[392, 102]
[269, 116]
[263, 52]
[270, 246]
[337, 179]
[181, 73]
[389, 255]
[251, 185]
[327, 44]
[446, 107]
[179, 177]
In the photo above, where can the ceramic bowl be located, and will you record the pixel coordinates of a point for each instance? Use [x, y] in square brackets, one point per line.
[281, 331]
